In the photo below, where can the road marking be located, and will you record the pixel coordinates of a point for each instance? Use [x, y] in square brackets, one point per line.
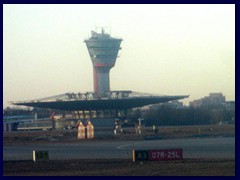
[124, 146]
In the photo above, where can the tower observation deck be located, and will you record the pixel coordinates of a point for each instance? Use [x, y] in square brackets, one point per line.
[103, 50]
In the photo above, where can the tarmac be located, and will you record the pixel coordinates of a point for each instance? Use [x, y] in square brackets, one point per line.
[217, 147]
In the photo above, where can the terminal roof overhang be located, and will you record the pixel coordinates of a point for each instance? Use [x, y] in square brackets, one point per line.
[100, 103]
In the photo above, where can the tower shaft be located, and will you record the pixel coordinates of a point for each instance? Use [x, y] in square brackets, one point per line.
[101, 80]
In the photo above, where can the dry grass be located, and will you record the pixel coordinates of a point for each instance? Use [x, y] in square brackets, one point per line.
[190, 167]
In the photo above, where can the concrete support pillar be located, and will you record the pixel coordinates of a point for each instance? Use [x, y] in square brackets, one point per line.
[84, 117]
[78, 113]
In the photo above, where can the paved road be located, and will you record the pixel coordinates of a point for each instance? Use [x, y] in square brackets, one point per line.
[223, 147]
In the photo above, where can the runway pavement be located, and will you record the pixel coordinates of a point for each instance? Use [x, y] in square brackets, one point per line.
[221, 147]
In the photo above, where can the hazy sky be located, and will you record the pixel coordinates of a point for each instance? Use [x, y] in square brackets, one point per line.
[166, 49]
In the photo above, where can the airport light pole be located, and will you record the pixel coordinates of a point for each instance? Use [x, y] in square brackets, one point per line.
[140, 125]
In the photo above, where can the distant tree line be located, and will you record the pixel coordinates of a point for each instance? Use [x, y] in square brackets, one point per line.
[18, 111]
[13, 111]
[165, 116]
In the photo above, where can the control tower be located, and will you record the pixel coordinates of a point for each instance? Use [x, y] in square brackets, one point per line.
[103, 50]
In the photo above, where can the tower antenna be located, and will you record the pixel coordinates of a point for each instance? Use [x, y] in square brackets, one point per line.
[110, 28]
[95, 26]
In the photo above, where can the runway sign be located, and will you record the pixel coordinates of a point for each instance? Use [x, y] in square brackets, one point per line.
[158, 155]
[40, 156]
[165, 154]
[140, 155]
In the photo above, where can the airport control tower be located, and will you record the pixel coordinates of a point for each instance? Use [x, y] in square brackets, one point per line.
[101, 103]
[103, 50]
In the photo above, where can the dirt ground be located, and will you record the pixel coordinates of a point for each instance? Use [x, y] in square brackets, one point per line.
[190, 167]
[70, 136]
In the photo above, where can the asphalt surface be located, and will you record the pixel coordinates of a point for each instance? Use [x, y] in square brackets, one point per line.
[222, 147]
